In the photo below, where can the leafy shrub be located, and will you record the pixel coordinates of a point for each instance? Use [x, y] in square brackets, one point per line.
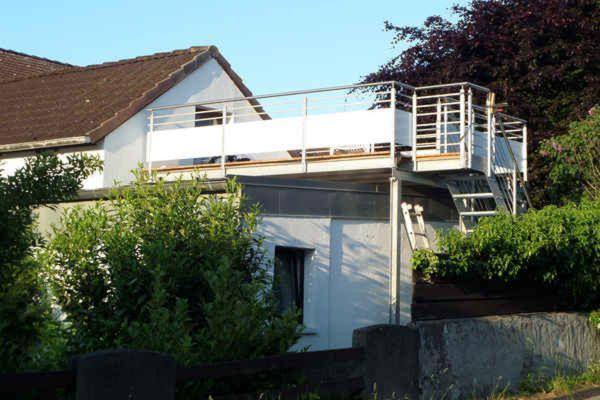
[574, 161]
[28, 333]
[163, 266]
[555, 247]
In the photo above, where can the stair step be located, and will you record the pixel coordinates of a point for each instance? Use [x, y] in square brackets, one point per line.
[477, 213]
[467, 178]
[487, 195]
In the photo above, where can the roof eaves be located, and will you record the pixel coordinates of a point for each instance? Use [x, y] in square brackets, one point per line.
[44, 144]
[18, 53]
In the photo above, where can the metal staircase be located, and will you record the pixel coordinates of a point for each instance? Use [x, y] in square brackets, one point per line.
[460, 129]
[476, 195]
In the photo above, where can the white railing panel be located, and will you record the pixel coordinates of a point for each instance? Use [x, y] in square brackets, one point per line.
[403, 128]
[263, 136]
[349, 128]
[185, 143]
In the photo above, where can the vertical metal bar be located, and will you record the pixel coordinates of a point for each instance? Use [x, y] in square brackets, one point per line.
[223, 125]
[494, 139]
[304, 115]
[445, 128]
[462, 127]
[488, 108]
[149, 144]
[414, 130]
[393, 113]
[395, 247]
[438, 123]
[525, 163]
[514, 189]
[470, 147]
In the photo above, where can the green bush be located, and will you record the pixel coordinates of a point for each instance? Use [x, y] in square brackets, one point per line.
[555, 247]
[163, 266]
[29, 335]
[574, 161]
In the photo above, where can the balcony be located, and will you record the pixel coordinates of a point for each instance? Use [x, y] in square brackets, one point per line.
[443, 128]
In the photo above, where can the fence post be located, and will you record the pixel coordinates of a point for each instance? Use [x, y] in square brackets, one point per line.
[391, 363]
[124, 374]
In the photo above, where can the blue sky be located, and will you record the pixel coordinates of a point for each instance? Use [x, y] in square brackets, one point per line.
[274, 45]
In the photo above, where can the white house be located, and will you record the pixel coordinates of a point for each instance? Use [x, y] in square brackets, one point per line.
[351, 179]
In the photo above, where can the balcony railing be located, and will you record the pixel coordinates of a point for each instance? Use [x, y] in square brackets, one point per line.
[388, 120]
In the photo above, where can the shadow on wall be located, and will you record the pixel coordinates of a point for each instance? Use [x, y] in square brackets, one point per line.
[470, 357]
[347, 280]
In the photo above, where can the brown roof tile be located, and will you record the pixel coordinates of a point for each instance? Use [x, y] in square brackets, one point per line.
[15, 65]
[93, 100]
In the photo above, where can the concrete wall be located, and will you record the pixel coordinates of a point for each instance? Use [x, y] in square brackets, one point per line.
[478, 355]
[346, 278]
[474, 357]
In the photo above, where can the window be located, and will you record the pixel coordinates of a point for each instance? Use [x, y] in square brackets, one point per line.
[289, 278]
[208, 116]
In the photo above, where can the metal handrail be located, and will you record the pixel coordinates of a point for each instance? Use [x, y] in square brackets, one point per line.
[281, 94]
[516, 164]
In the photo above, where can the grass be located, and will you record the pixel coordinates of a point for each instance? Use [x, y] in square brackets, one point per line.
[539, 387]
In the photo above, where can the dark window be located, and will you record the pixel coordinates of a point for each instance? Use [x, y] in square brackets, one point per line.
[207, 117]
[289, 278]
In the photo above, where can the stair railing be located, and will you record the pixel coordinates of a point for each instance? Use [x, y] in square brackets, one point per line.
[517, 177]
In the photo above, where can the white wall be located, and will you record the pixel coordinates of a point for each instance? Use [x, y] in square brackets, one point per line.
[125, 147]
[11, 162]
[346, 279]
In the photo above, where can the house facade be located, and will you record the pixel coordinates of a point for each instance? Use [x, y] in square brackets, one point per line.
[350, 179]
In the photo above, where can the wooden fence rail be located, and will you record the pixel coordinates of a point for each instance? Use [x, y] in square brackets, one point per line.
[274, 363]
[46, 385]
[42, 382]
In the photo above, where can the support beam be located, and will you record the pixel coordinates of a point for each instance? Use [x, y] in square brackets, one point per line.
[395, 246]
[401, 279]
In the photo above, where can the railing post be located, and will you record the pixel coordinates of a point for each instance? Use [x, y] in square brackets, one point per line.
[393, 112]
[304, 115]
[470, 117]
[414, 129]
[223, 125]
[445, 128]
[488, 109]
[438, 124]
[149, 144]
[462, 127]
[524, 150]
[514, 188]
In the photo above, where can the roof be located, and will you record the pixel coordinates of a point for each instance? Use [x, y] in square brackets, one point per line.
[82, 105]
[15, 65]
